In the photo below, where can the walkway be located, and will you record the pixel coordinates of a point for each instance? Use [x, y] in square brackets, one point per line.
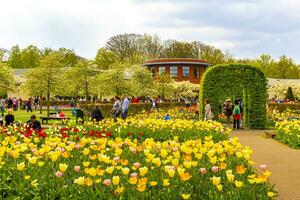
[282, 161]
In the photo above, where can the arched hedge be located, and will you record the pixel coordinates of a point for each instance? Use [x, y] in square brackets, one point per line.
[236, 81]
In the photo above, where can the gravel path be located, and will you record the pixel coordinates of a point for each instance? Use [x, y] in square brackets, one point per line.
[282, 161]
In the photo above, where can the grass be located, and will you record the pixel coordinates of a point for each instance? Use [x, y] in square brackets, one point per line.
[23, 116]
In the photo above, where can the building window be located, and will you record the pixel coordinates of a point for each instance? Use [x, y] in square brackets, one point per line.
[185, 71]
[196, 72]
[174, 71]
[152, 70]
[161, 70]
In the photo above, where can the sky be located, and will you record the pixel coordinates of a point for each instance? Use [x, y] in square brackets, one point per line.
[246, 28]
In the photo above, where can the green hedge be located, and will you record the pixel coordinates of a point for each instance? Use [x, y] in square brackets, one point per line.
[133, 108]
[236, 81]
[284, 106]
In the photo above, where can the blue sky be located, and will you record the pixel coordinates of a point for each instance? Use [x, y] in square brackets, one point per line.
[244, 28]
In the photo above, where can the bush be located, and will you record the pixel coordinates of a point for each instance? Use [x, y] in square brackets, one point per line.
[289, 94]
[237, 81]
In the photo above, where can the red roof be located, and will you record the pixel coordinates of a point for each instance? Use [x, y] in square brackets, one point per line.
[175, 61]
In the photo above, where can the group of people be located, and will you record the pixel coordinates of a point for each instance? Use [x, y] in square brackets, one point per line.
[9, 120]
[230, 110]
[17, 103]
[120, 108]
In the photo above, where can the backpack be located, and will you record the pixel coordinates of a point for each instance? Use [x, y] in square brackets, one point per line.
[236, 110]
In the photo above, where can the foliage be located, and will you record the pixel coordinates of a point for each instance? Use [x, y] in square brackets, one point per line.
[185, 89]
[233, 81]
[7, 81]
[105, 59]
[141, 81]
[288, 132]
[289, 94]
[14, 60]
[30, 57]
[164, 86]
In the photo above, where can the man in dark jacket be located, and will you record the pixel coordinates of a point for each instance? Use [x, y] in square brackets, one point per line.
[97, 114]
[9, 118]
[33, 123]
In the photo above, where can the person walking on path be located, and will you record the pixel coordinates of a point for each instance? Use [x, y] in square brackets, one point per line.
[242, 112]
[209, 115]
[29, 105]
[9, 118]
[116, 110]
[97, 114]
[2, 106]
[236, 115]
[125, 105]
[228, 109]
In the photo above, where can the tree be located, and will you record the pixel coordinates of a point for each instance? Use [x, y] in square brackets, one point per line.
[81, 78]
[185, 89]
[164, 86]
[141, 81]
[105, 59]
[150, 47]
[14, 60]
[45, 79]
[176, 49]
[68, 57]
[284, 67]
[289, 94]
[30, 57]
[7, 81]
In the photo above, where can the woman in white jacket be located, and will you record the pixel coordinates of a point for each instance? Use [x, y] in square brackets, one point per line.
[209, 115]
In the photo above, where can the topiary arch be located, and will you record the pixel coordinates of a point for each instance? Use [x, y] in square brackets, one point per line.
[236, 81]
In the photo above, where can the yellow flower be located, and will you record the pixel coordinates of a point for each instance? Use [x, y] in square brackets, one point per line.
[133, 180]
[240, 169]
[219, 187]
[216, 180]
[88, 181]
[141, 188]
[115, 180]
[86, 164]
[171, 173]
[86, 151]
[271, 194]
[119, 190]
[41, 163]
[98, 180]
[185, 196]
[21, 166]
[223, 165]
[34, 183]
[125, 170]
[79, 181]
[63, 167]
[32, 160]
[153, 183]
[187, 164]
[27, 177]
[238, 184]
[166, 182]
[143, 171]
[110, 169]
[185, 176]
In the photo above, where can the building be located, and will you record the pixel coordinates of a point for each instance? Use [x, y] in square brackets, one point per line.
[181, 69]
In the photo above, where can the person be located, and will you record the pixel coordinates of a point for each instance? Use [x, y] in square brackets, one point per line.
[9, 118]
[36, 102]
[2, 106]
[116, 110]
[125, 105]
[97, 114]
[29, 104]
[236, 115]
[33, 123]
[154, 105]
[61, 114]
[79, 115]
[9, 103]
[167, 117]
[242, 113]
[209, 115]
[228, 109]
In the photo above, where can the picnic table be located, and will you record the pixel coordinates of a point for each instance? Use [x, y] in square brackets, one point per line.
[63, 119]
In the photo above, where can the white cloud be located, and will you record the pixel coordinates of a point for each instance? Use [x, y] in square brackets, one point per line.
[246, 28]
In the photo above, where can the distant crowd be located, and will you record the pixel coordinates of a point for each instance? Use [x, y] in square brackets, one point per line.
[283, 100]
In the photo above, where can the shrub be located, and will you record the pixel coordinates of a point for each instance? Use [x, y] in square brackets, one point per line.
[237, 81]
[289, 94]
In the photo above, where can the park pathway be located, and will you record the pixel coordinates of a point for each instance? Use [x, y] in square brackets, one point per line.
[282, 161]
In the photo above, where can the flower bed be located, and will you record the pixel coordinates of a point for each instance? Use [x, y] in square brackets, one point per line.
[57, 167]
[288, 132]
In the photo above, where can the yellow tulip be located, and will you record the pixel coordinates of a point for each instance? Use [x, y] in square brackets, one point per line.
[216, 180]
[115, 180]
[185, 196]
[34, 183]
[88, 182]
[21, 166]
[125, 170]
[63, 167]
[238, 184]
[270, 194]
[153, 183]
[166, 182]
[80, 180]
[143, 170]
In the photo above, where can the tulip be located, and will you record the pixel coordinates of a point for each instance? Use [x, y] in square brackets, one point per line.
[58, 174]
[203, 171]
[107, 182]
[63, 167]
[77, 168]
[215, 169]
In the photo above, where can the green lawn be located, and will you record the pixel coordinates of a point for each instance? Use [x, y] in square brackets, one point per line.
[23, 116]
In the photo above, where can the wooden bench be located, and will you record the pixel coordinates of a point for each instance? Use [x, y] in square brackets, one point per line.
[63, 119]
[270, 134]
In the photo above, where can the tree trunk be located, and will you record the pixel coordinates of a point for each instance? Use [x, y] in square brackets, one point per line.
[48, 104]
[41, 103]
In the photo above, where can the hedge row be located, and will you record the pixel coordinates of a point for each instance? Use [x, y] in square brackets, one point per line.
[133, 108]
[284, 106]
[237, 81]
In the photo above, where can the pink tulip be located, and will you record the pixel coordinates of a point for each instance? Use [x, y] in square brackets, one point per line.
[77, 169]
[175, 149]
[117, 159]
[263, 166]
[203, 171]
[58, 174]
[107, 182]
[215, 169]
[133, 175]
[137, 165]
[77, 146]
